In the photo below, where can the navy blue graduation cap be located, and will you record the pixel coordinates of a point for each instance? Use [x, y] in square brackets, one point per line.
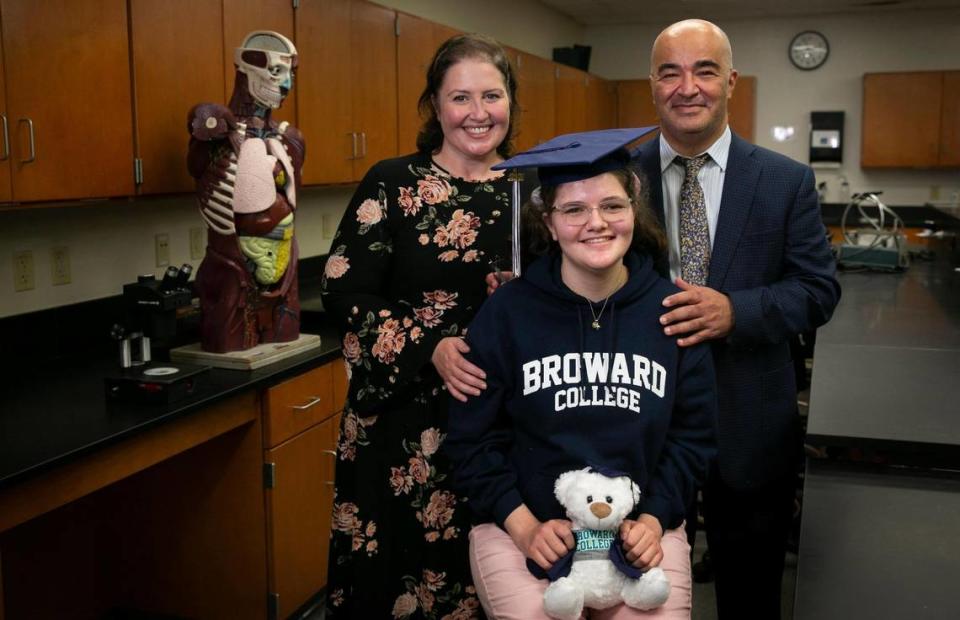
[567, 158]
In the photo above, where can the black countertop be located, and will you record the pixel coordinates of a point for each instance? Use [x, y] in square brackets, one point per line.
[887, 366]
[59, 410]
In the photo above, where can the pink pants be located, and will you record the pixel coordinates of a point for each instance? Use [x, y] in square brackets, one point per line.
[508, 591]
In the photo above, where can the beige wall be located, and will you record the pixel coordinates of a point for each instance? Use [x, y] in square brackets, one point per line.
[900, 41]
[112, 242]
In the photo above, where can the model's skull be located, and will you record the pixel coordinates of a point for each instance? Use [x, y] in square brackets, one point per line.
[268, 60]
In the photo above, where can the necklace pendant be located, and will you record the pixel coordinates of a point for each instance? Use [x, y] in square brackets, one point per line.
[595, 325]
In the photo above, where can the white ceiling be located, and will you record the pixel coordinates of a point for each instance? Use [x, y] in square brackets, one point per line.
[594, 12]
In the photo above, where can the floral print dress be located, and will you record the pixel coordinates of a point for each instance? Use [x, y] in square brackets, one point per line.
[406, 268]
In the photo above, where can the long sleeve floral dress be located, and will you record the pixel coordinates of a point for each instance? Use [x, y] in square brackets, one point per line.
[406, 269]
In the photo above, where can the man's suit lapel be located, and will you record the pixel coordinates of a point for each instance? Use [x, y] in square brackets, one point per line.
[739, 186]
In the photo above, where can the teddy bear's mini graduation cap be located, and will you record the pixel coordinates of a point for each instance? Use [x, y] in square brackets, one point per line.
[567, 158]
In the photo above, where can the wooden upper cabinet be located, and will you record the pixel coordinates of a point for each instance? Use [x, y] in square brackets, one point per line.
[950, 120]
[910, 102]
[417, 42]
[241, 17]
[68, 89]
[601, 103]
[536, 90]
[323, 90]
[373, 55]
[741, 109]
[348, 93]
[635, 104]
[177, 63]
[6, 191]
[571, 99]
[415, 48]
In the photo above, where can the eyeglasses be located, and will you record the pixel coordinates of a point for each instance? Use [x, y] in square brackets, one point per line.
[578, 215]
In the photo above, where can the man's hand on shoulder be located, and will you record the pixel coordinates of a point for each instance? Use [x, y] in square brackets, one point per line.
[698, 313]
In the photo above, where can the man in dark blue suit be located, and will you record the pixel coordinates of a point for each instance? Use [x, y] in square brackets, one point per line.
[749, 250]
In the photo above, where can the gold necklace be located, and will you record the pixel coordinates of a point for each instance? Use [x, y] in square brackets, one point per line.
[596, 315]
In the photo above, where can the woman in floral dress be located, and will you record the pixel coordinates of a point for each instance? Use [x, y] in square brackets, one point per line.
[407, 271]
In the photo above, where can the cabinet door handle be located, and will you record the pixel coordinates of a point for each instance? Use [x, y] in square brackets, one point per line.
[363, 144]
[6, 139]
[330, 452]
[353, 145]
[33, 147]
[314, 400]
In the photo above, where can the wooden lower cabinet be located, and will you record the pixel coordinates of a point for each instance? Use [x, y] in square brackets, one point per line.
[201, 518]
[299, 472]
[299, 506]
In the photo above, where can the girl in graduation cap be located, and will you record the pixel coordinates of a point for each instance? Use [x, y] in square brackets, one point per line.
[407, 272]
[579, 373]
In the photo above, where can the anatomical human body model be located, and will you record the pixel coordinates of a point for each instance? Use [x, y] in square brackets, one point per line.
[247, 168]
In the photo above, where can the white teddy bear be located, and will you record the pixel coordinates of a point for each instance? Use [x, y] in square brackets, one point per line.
[600, 576]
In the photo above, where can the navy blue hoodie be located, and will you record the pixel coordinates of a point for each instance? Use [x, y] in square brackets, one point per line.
[561, 395]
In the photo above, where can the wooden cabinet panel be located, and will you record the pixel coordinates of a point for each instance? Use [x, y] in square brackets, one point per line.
[323, 92]
[352, 88]
[741, 110]
[571, 99]
[536, 90]
[6, 190]
[297, 404]
[950, 120]
[909, 100]
[177, 64]
[417, 42]
[299, 508]
[635, 104]
[240, 17]
[340, 383]
[67, 70]
[415, 48]
[601, 103]
[373, 55]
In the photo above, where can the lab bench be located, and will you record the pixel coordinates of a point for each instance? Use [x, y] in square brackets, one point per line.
[878, 536]
[214, 506]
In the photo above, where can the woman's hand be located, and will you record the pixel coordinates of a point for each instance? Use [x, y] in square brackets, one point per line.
[462, 378]
[495, 279]
[641, 541]
[544, 543]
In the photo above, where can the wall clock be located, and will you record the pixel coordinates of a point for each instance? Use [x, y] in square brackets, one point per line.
[809, 50]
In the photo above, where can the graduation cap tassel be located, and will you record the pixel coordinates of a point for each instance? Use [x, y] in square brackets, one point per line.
[515, 231]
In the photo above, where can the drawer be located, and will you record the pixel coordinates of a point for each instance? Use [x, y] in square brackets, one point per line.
[297, 404]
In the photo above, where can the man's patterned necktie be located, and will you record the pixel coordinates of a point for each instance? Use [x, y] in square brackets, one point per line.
[694, 228]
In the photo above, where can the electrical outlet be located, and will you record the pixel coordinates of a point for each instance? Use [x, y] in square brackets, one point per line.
[162, 249]
[197, 245]
[60, 265]
[329, 226]
[23, 271]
